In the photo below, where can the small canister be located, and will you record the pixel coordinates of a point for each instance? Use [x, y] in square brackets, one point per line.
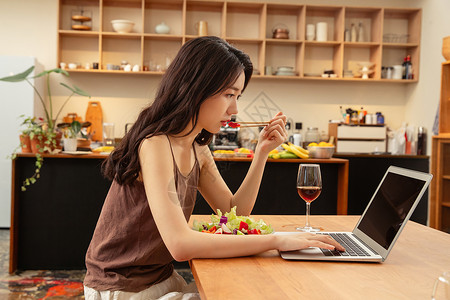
[312, 135]
[389, 72]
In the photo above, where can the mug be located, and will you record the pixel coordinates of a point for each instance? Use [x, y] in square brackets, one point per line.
[322, 31]
[444, 292]
[202, 28]
[310, 32]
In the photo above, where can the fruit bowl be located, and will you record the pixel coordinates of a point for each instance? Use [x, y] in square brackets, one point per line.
[321, 152]
[122, 26]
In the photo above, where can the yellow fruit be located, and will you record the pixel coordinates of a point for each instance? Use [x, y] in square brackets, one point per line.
[312, 144]
[299, 148]
[103, 149]
[275, 156]
[286, 147]
[294, 150]
[273, 151]
[243, 150]
[323, 144]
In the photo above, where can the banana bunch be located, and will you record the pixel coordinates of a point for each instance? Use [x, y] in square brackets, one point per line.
[107, 149]
[298, 151]
[290, 151]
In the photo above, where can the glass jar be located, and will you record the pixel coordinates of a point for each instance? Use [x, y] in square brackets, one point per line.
[312, 135]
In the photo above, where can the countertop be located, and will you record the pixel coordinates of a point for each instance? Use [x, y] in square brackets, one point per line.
[381, 155]
[235, 159]
[337, 157]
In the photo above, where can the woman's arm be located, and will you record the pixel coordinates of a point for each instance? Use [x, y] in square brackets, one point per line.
[185, 243]
[214, 189]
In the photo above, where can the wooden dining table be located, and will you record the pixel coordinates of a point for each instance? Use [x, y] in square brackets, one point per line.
[419, 256]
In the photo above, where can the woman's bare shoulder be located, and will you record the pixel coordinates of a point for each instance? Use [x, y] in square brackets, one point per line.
[154, 144]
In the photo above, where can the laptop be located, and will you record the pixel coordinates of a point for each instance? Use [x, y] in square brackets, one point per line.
[380, 225]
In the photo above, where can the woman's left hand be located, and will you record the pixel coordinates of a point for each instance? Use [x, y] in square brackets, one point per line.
[273, 134]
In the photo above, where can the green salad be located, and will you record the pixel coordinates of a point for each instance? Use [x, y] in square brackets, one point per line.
[230, 223]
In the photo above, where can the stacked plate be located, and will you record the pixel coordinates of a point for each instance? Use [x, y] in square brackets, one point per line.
[285, 71]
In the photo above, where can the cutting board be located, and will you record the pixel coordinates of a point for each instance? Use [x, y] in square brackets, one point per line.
[94, 115]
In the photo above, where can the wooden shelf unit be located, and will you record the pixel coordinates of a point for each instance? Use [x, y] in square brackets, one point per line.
[440, 160]
[249, 27]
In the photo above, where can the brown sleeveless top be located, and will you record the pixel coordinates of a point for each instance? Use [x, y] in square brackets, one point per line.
[126, 252]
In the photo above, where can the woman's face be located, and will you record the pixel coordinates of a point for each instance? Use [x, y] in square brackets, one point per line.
[217, 110]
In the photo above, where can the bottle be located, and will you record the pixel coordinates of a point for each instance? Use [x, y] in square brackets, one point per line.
[368, 119]
[361, 116]
[404, 68]
[360, 32]
[380, 118]
[408, 68]
[347, 36]
[353, 33]
[421, 141]
[389, 72]
[298, 134]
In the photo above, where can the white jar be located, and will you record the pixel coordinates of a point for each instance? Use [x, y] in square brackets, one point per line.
[397, 72]
[297, 139]
[321, 32]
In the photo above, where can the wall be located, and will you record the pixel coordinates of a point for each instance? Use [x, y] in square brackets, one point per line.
[25, 32]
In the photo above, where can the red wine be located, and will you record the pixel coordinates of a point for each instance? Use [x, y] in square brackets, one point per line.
[309, 193]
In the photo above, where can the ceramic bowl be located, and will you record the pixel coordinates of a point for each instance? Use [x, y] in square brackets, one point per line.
[320, 152]
[122, 26]
[285, 69]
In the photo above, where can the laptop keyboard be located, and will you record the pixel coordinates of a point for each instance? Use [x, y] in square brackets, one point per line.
[351, 248]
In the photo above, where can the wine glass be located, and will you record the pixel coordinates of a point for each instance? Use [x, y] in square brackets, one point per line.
[309, 186]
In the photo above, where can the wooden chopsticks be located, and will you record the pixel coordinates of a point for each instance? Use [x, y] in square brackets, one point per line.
[253, 124]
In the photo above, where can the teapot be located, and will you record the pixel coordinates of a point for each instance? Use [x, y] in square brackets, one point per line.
[280, 31]
[162, 28]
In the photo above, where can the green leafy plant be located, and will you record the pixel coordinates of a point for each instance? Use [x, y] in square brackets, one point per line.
[44, 130]
[24, 76]
[73, 130]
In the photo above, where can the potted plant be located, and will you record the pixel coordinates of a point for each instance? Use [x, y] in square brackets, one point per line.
[43, 135]
[25, 141]
[71, 133]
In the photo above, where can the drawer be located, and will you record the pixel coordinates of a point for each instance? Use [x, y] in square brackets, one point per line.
[361, 132]
[360, 146]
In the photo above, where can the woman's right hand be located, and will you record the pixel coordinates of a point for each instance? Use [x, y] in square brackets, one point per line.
[300, 241]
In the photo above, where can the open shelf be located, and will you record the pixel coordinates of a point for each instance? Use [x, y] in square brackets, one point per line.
[247, 25]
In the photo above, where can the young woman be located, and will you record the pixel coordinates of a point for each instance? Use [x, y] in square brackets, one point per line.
[158, 168]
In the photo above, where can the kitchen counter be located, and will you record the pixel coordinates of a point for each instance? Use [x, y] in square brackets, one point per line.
[381, 155]
[366, 171]
[52, 222]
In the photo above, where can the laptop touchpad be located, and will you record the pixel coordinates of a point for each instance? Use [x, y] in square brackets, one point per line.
[313, 251]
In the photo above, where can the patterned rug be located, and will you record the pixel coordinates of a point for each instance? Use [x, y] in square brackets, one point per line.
[43, 285]
[47, 284]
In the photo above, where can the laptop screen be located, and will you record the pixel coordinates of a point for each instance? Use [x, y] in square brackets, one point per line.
[389, 208]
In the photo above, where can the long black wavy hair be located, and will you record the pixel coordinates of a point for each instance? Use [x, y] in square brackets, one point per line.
[203, 67]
